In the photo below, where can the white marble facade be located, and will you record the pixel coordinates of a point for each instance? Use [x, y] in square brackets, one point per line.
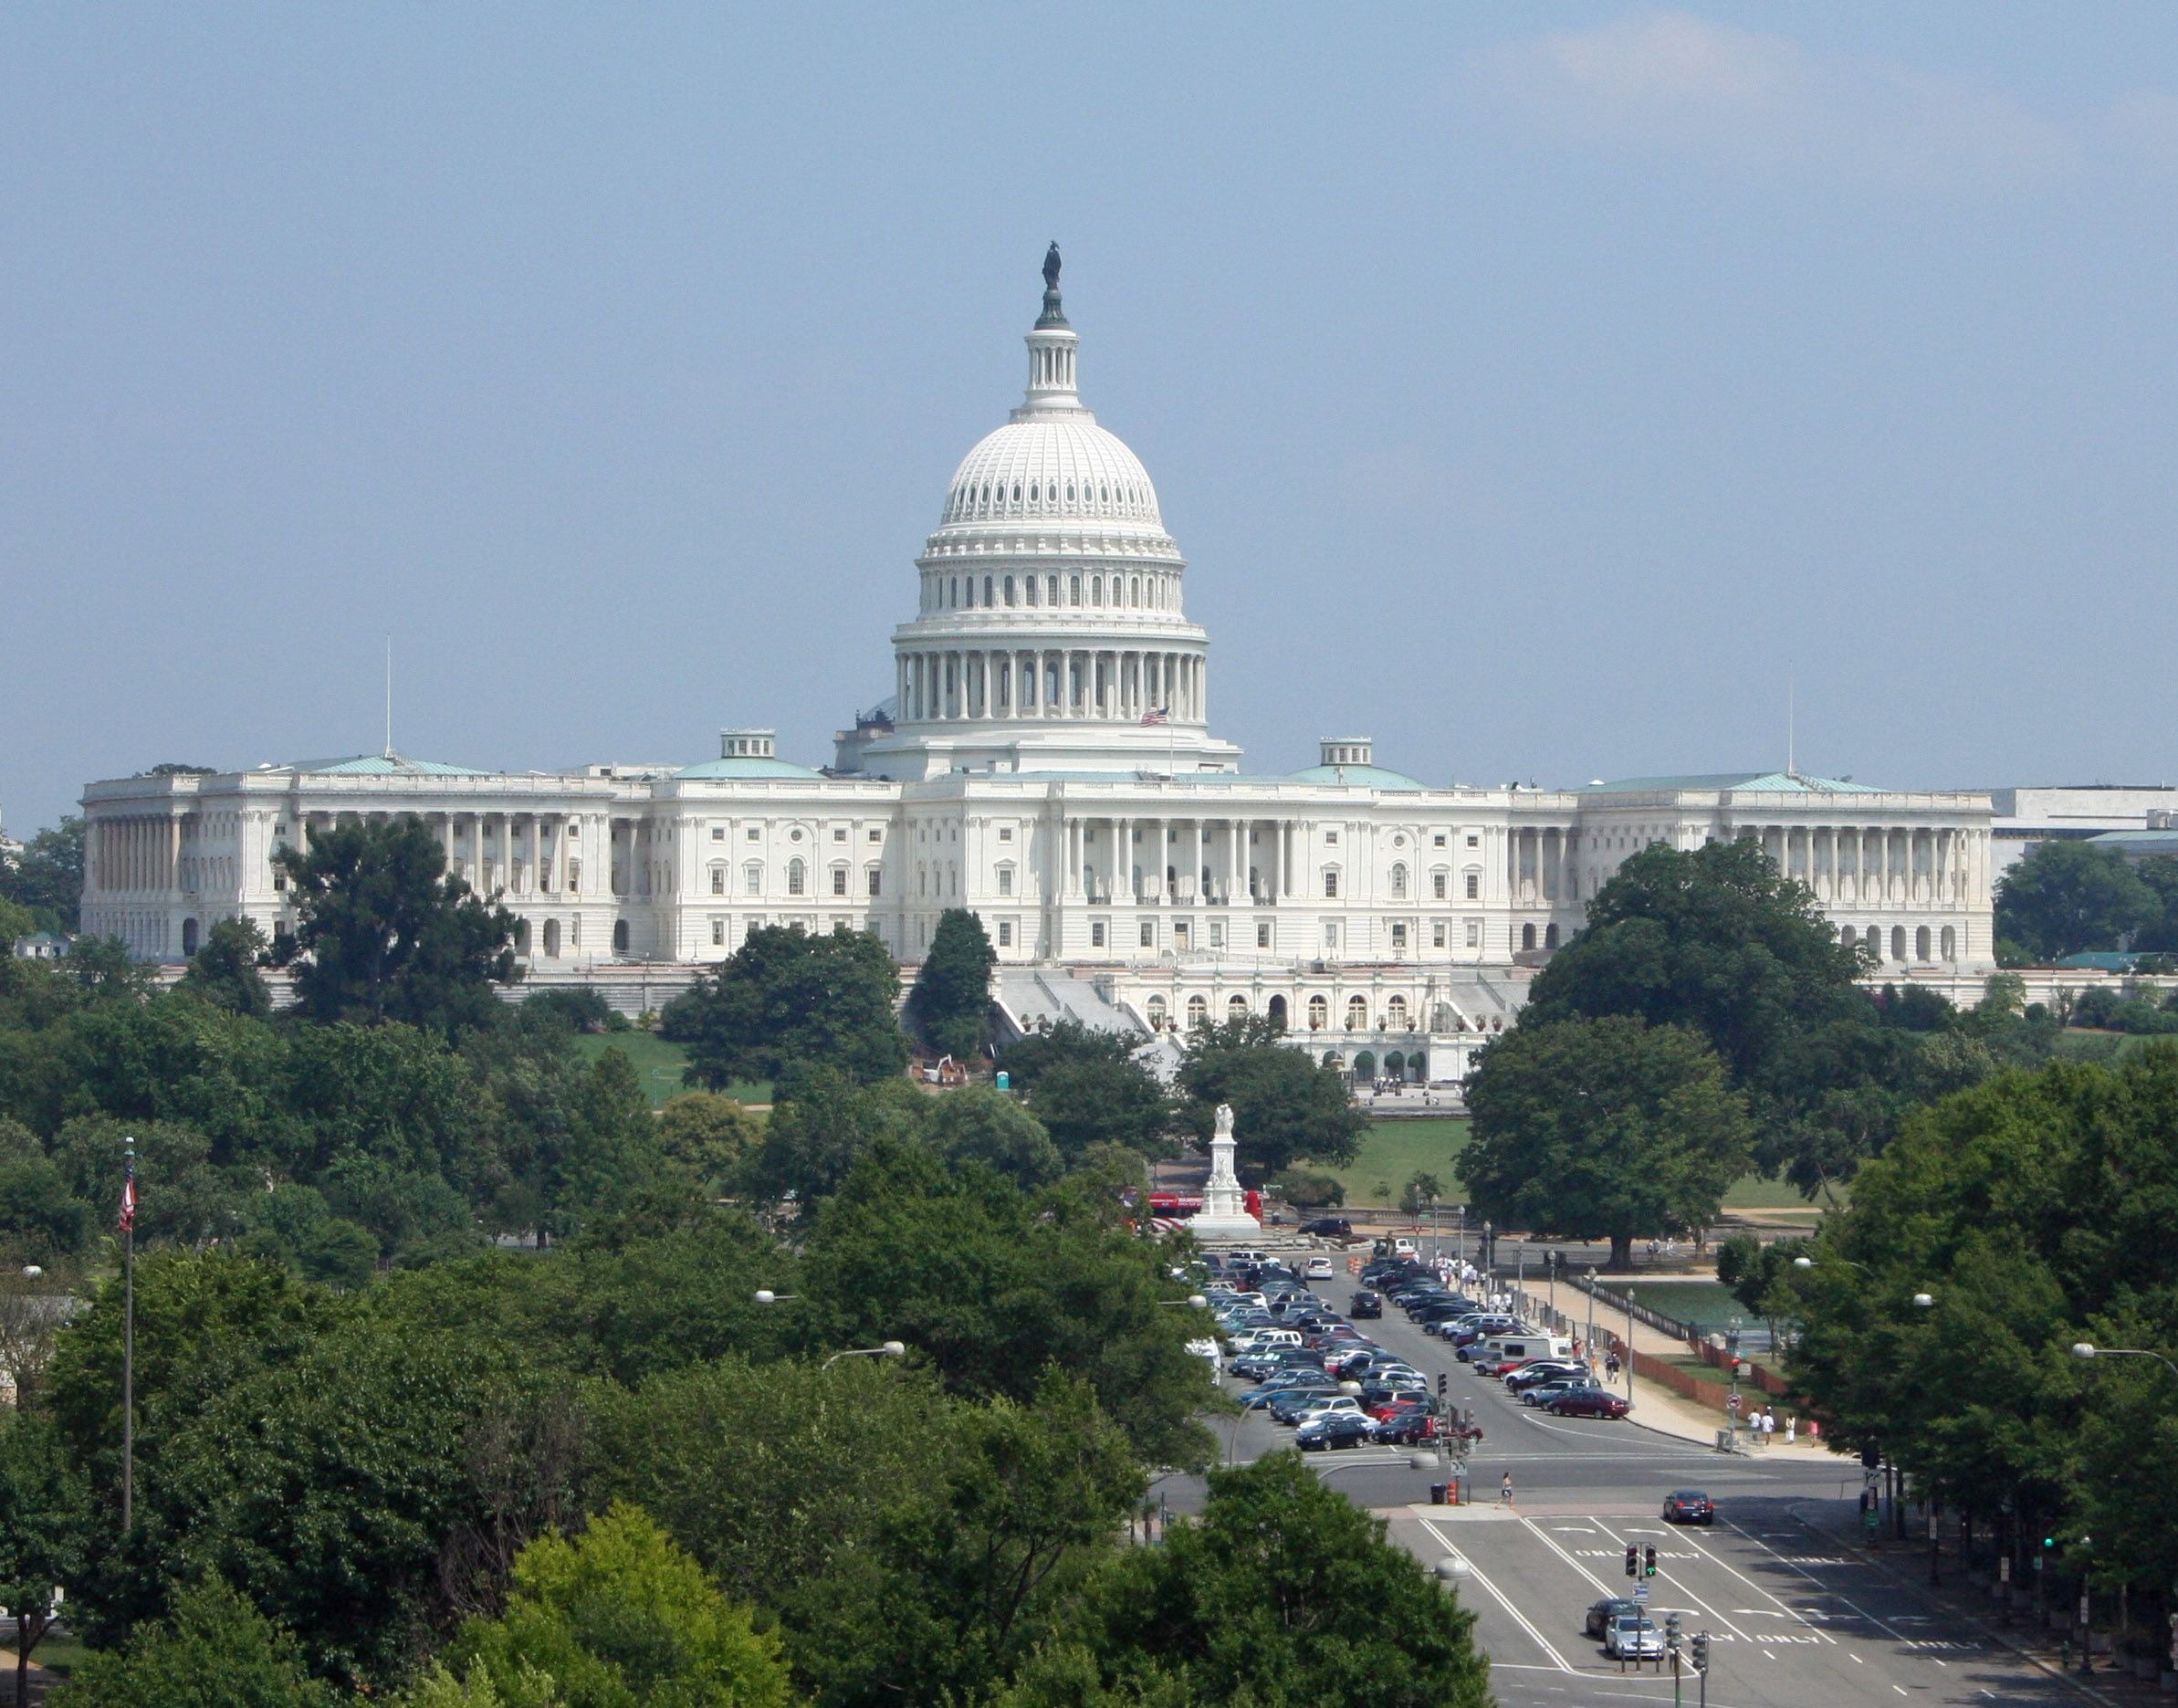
[1046, 758]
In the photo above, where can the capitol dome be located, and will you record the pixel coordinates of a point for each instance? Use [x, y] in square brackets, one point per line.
[1046, 468]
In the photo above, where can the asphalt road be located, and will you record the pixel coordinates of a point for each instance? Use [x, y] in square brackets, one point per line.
[1795, 1619]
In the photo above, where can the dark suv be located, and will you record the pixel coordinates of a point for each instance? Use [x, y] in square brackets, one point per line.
[1329, 1227]
[1365, 1304]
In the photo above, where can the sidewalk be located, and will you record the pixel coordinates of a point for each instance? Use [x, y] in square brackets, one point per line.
[1656, 1407]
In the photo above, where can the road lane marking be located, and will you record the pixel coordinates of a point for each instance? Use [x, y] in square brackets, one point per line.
[1476, 1575]
[1835, 1594]
[1900, 1689]
[1757, 1589]
[1712, 1612]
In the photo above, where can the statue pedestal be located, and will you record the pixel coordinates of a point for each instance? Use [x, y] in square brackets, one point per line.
[1224, 1213]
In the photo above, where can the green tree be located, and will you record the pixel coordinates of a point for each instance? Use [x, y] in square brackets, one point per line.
[215, 1651]
[706, 1136]
[975, 1124]
[786, 998]
[2066, 896]
[1284, 1106]
[41, 1221]
[1607, 1127]
[1285, 1596]
[821, 1123]
[224, 972]
[1421, 1190]
[47, 877]
[619, 1617]
[992, 1285]
[1088, 1102]
[385, 933]
[950, 1004]
[1759, 1275]
[1029, 1057]
[45, 1521]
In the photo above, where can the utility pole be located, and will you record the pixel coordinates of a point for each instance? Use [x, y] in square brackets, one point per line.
[127, 1224]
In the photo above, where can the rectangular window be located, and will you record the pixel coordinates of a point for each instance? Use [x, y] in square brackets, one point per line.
[1149, 934]
[1475, 933]
[1441, 881]
[1217, 934]
[717, 880]
[1005, 934]
[1262, 934]
[877, 837]
[1398, 934]
[1331, 837]
[1437, 938]
[1437, 840]
[839, 880]
[839, 833]
[872, 881]
[1474, 842]
[755, 835]
[1331, 934]
[574, 878]
[1096, 934]
[717, 933]
[753, 880]
[1005, 832]
[1330, 885]
[1474, 886]
[718, 832]
[1005, 880]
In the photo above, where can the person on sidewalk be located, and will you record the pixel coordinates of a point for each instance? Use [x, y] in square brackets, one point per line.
[1769, 1425]
[1504, 1488]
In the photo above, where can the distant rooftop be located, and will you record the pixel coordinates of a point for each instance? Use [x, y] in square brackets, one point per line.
[1745, 782]
[388, 764]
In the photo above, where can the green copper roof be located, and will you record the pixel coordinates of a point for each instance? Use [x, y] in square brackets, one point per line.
[386, 765]
[1355, 777]
[2136, 842]
[717, 770]
[1745, 782]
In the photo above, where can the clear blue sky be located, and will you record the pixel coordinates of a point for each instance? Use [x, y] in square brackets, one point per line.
[1529, 387]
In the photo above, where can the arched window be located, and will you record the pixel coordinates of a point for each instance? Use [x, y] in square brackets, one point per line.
[1157, 1013]
[1096, 590]
[1528, 936]
[1365, 1064]
[1199, 1013]
[619, 936]
[1845, 935]
[1335, 1061]
[1357, 1013]
[1009, 589]
[1951, 944]
[1395, 1014]
[1236, 1008]
[188, 937]
[1898, 942]
[987, 590]
[1399, 879]
[1276, 1013]
[1395, 1065]
[1550, 937]
[1417, 1068]
[551, 937]
[1920, 944]
[1319, 1013]
[1073, 590]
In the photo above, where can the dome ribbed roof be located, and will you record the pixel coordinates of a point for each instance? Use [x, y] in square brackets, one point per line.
[1053, 469]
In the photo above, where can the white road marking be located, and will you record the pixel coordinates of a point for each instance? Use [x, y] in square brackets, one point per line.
[1795, 1565]
[1713, 1613]
[1857, 1659]
[1900, 1689]
[1475, 1574]
[1757, 1589]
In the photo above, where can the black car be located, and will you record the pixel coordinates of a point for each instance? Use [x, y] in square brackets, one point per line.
[1601, 1615]
[1339, 1430]
[1689, 1506]
[1365, 1304]
[1329, 1227]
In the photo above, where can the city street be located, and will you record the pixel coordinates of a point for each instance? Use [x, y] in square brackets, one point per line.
[1794, 1622]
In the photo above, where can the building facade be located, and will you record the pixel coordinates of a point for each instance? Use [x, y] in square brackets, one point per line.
[1046, 759]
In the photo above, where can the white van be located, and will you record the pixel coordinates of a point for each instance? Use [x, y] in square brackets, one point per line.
[1528, 1346]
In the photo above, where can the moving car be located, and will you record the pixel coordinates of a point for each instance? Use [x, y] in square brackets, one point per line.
[1329, 1227]
[1333, 1430]
[1365, 1304]
[1319, 1269]
[1601, 1615]
[1589, 1402]
[1689, 1506]
[1633, 1636]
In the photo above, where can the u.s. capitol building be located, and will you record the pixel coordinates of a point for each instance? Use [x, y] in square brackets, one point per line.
[1046, 758]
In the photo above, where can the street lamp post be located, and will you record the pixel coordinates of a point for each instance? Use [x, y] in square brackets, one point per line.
[2087, 1352]
[890, 1349]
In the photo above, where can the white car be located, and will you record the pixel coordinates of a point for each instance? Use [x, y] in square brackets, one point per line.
[1633, 1636]
[1328, 1406]
[1319, 1269]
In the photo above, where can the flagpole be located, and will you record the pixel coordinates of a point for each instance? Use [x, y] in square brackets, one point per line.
[129, 1343]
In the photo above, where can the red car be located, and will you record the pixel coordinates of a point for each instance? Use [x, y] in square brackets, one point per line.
[1589, 1402]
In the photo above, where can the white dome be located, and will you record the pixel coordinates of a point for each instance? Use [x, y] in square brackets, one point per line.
[1054, 470]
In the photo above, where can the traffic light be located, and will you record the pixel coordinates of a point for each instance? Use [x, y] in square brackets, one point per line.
[1671, 1633]
[1443, 1384]
[1648, 1562]
[1633, 1560]
[1700, 1655]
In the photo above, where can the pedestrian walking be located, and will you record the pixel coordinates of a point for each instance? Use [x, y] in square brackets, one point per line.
[1769, 1425]
[1610, 1364]
[1504, 1488]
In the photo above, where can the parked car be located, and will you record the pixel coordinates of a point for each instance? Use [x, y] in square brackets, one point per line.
[1407, 1426]
[1543, 1370]
[1601, 1615]
[1319, 1269]
[1282, 1388]
[1329, 1227]
[1633, 1636]
[1333, 1430]
[1542, 1393]
[1365, 1304]
[1316, 1406]
[1689, 1506]
[1589, 1402]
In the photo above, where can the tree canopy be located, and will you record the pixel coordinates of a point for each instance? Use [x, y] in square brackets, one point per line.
[2066, 896]
[385, 932]
[950, 1003]
[1603, 1127]
[786, 999]
[46, 879]
[1284, 1105]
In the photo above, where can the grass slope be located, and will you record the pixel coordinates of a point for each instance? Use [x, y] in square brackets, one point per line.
[658, 1064]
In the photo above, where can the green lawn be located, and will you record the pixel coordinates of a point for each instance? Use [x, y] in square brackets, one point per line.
[1393, 1152]
[658, 1064]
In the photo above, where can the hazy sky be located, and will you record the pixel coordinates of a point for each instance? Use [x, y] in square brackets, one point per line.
[1530, 387]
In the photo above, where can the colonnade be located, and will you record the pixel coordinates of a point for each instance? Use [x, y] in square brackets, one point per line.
[1217, 861]
[1878, 862]
[515, 852]
[1118, 683]
[137, 855]
[1541, 862]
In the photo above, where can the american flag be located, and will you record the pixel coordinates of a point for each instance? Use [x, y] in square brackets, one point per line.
[1161, 716]
[128, 1221]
